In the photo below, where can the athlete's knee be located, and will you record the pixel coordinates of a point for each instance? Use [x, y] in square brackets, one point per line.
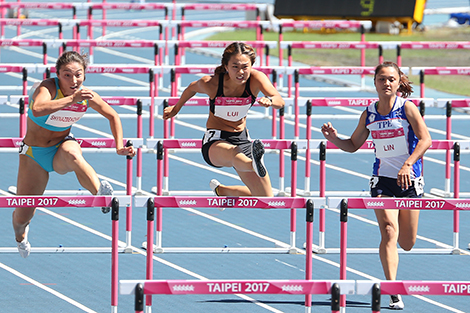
[407, 243]
[389, 233]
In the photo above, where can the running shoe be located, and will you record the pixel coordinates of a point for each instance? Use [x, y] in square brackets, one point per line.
[105, 190]
[257, 153]
[214, 184]
[24, 247]
[396, 303]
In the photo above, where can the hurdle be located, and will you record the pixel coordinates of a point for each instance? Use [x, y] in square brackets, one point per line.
[423, 45]
[291, 203]
[449, 104]
[410, 287]
[219, 287]
[259, 45]
[165, 146]
[438, 70]
[280, 25]
[368, 146]
[389, 203]
[190, 202]
[35, 5]
[118, 101]
[76, 202]
[95, 145]
[220, 7]
[258, 25]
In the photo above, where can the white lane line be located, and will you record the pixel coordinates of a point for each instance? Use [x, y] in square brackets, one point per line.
[144, 253]
[45, 288]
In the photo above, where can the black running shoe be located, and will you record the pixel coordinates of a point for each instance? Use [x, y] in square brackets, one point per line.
[396, 303]
[257, 153]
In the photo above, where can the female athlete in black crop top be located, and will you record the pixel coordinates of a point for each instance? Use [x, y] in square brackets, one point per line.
[232, 90]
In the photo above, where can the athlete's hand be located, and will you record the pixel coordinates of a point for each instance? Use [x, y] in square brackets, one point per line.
[404, 177]
[129, 151]
[82, 94]
[329, 132]
[169, 112]
[265, 102]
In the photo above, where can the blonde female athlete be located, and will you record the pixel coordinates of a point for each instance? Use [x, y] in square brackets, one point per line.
[55, 105]
[232, 91]
[401, 138]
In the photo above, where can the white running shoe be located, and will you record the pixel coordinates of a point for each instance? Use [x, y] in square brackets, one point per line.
[24, 247]
[257, 153]
[214, 184]
[105, 190]
[396, 303]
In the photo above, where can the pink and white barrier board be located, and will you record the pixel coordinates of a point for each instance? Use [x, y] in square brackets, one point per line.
[409, 204]
[55, 202]
[416, 287]
[291, 287]
[230, 202]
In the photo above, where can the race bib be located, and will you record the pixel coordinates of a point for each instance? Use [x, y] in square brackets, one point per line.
[67, 116]
[389, 143]
[232, 109]
[210, 135]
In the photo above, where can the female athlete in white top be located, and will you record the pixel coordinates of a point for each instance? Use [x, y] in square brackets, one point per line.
[401, 138]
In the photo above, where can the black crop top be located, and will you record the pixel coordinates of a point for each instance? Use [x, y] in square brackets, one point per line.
[220, 92]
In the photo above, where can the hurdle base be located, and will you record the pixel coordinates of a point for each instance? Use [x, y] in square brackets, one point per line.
[316, 249]
[255, 250]
[441, 193]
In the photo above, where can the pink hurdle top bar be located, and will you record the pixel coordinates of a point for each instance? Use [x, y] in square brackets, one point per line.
[445, 70]
[220, 6]
[330, 45]
[120, 23]
[292, 287]
[30, 22]
[84, 142]
[232, 202]
[197, 143]
[361, 102]
[54, 202]
[128, 6]
[322, 24]
[320, 70]
[223, 44]
[408, 203]
[444, 288]
[436, 45]
[436, 145]
[36, 5]
[112, 43]
[237, 24]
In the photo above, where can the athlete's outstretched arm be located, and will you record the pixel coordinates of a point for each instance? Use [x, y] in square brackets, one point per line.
[266, 87]
[203, 85]
[100, 106]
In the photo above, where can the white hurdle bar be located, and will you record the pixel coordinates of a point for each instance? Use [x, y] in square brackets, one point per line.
[78, 202]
